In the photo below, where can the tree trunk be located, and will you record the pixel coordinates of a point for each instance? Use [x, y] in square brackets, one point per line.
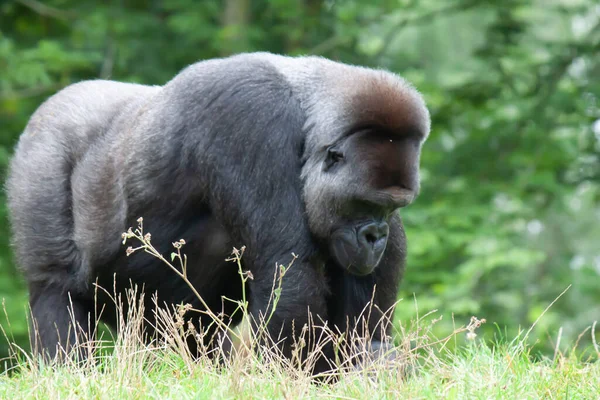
[236, 18]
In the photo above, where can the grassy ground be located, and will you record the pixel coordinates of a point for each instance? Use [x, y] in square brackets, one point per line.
[475, 372]
[166, 370]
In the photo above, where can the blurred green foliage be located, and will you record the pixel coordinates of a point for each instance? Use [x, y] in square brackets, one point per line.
[509, 211]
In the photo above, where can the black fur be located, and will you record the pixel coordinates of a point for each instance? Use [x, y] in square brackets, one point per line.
[218, 157]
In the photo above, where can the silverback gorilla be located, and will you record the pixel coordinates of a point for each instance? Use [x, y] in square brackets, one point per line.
[282, 155]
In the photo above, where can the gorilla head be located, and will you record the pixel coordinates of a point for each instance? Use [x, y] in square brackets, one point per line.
[362, 162]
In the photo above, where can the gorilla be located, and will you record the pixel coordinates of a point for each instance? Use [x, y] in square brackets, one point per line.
[298, 158]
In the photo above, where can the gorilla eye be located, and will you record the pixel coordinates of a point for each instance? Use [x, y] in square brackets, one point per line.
[333, 157]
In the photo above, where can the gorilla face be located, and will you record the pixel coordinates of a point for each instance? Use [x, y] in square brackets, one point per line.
[365, 177]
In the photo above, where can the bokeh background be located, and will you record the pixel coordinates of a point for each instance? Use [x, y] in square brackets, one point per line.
[509, 214]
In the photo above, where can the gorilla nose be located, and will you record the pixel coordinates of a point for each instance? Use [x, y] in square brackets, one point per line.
[373, 234]
[359, 248]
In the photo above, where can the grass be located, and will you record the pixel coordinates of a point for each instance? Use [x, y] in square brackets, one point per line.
[129, 368]
[476, 371]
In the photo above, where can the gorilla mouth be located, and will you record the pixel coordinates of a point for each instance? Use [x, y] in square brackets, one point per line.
[359, 249]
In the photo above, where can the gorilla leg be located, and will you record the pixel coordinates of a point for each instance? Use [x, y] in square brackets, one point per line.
[58, 319]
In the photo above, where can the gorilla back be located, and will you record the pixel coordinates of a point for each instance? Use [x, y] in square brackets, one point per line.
[281, 155]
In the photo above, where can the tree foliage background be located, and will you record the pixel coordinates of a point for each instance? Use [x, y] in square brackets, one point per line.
[509, 213]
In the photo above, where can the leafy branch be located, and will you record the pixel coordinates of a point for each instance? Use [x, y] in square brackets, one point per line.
[46, 10]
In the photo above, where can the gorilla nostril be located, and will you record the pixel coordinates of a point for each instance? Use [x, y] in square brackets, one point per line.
[372, 233]
[371, 238]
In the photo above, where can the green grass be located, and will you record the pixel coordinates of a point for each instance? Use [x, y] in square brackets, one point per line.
[475, 371]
